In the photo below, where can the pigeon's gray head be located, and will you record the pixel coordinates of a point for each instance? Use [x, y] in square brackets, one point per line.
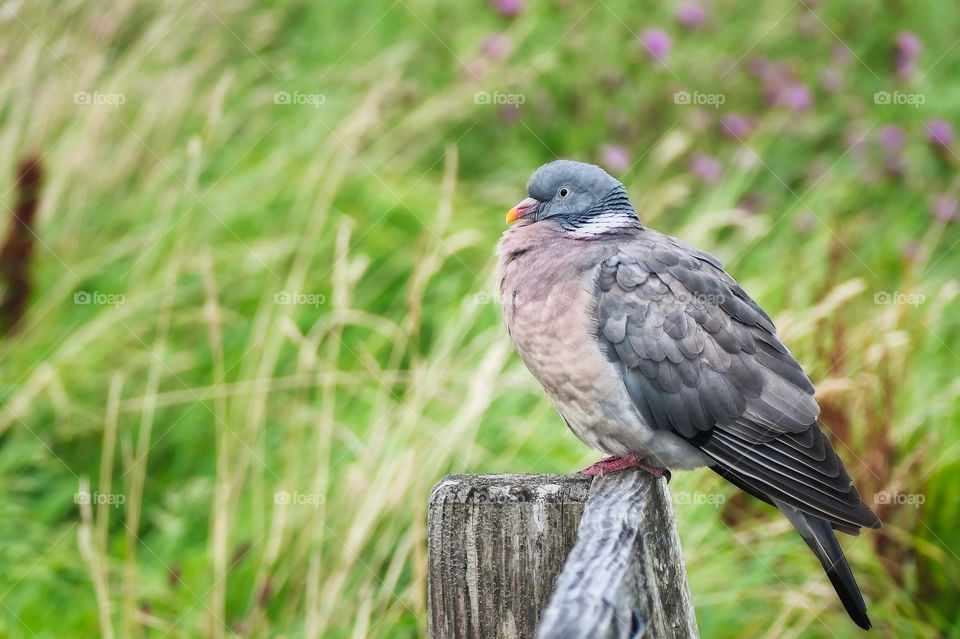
[580, 197]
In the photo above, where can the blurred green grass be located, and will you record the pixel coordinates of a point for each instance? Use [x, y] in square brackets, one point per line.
[202, 201]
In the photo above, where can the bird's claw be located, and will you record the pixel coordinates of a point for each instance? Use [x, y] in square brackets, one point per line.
[613, 463]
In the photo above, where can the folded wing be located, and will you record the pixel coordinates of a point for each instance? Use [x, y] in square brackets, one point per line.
[700, 359]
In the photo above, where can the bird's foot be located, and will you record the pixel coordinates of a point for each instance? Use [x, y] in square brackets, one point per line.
[613, 463]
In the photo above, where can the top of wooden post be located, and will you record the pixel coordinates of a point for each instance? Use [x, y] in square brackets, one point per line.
[475, 489]
[498, 542]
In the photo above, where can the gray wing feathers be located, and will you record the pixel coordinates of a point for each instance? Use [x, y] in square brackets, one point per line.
[675, 337]
[699, 358]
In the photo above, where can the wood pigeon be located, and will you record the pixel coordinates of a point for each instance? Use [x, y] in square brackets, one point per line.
[653, 354]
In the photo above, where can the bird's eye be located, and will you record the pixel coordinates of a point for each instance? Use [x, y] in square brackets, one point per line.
[563, 191]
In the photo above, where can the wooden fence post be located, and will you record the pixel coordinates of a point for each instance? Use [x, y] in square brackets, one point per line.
[498, 542]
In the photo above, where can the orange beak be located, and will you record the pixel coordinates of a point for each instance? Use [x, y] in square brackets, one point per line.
[523, 209]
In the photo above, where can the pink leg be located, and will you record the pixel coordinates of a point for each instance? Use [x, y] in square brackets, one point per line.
[613, 463]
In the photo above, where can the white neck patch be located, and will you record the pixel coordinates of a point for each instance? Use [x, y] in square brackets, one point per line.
[603, 223]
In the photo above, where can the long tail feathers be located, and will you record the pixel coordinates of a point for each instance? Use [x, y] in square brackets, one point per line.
[819, 536]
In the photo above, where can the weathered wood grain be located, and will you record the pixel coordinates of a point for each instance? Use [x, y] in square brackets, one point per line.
[625, 576]
[496, 544]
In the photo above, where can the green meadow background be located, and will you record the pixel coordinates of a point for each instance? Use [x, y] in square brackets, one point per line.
[262, 320]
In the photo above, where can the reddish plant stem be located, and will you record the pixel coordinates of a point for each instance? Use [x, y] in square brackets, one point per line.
[18, 246]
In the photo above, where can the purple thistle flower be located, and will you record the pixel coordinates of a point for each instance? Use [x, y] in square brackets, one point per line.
[908, 44]
[496, 46]
[940, 132]
[771, 93]
[781, 86]
[691, 15]
[615, 158]
[760, 67]
[945, 209]
[735, 126]
[772, 72]
[707, 168]
[891, 137]
[905, 67]
[508, 8]
[908, 48]
[657, 43]
[795, 96]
